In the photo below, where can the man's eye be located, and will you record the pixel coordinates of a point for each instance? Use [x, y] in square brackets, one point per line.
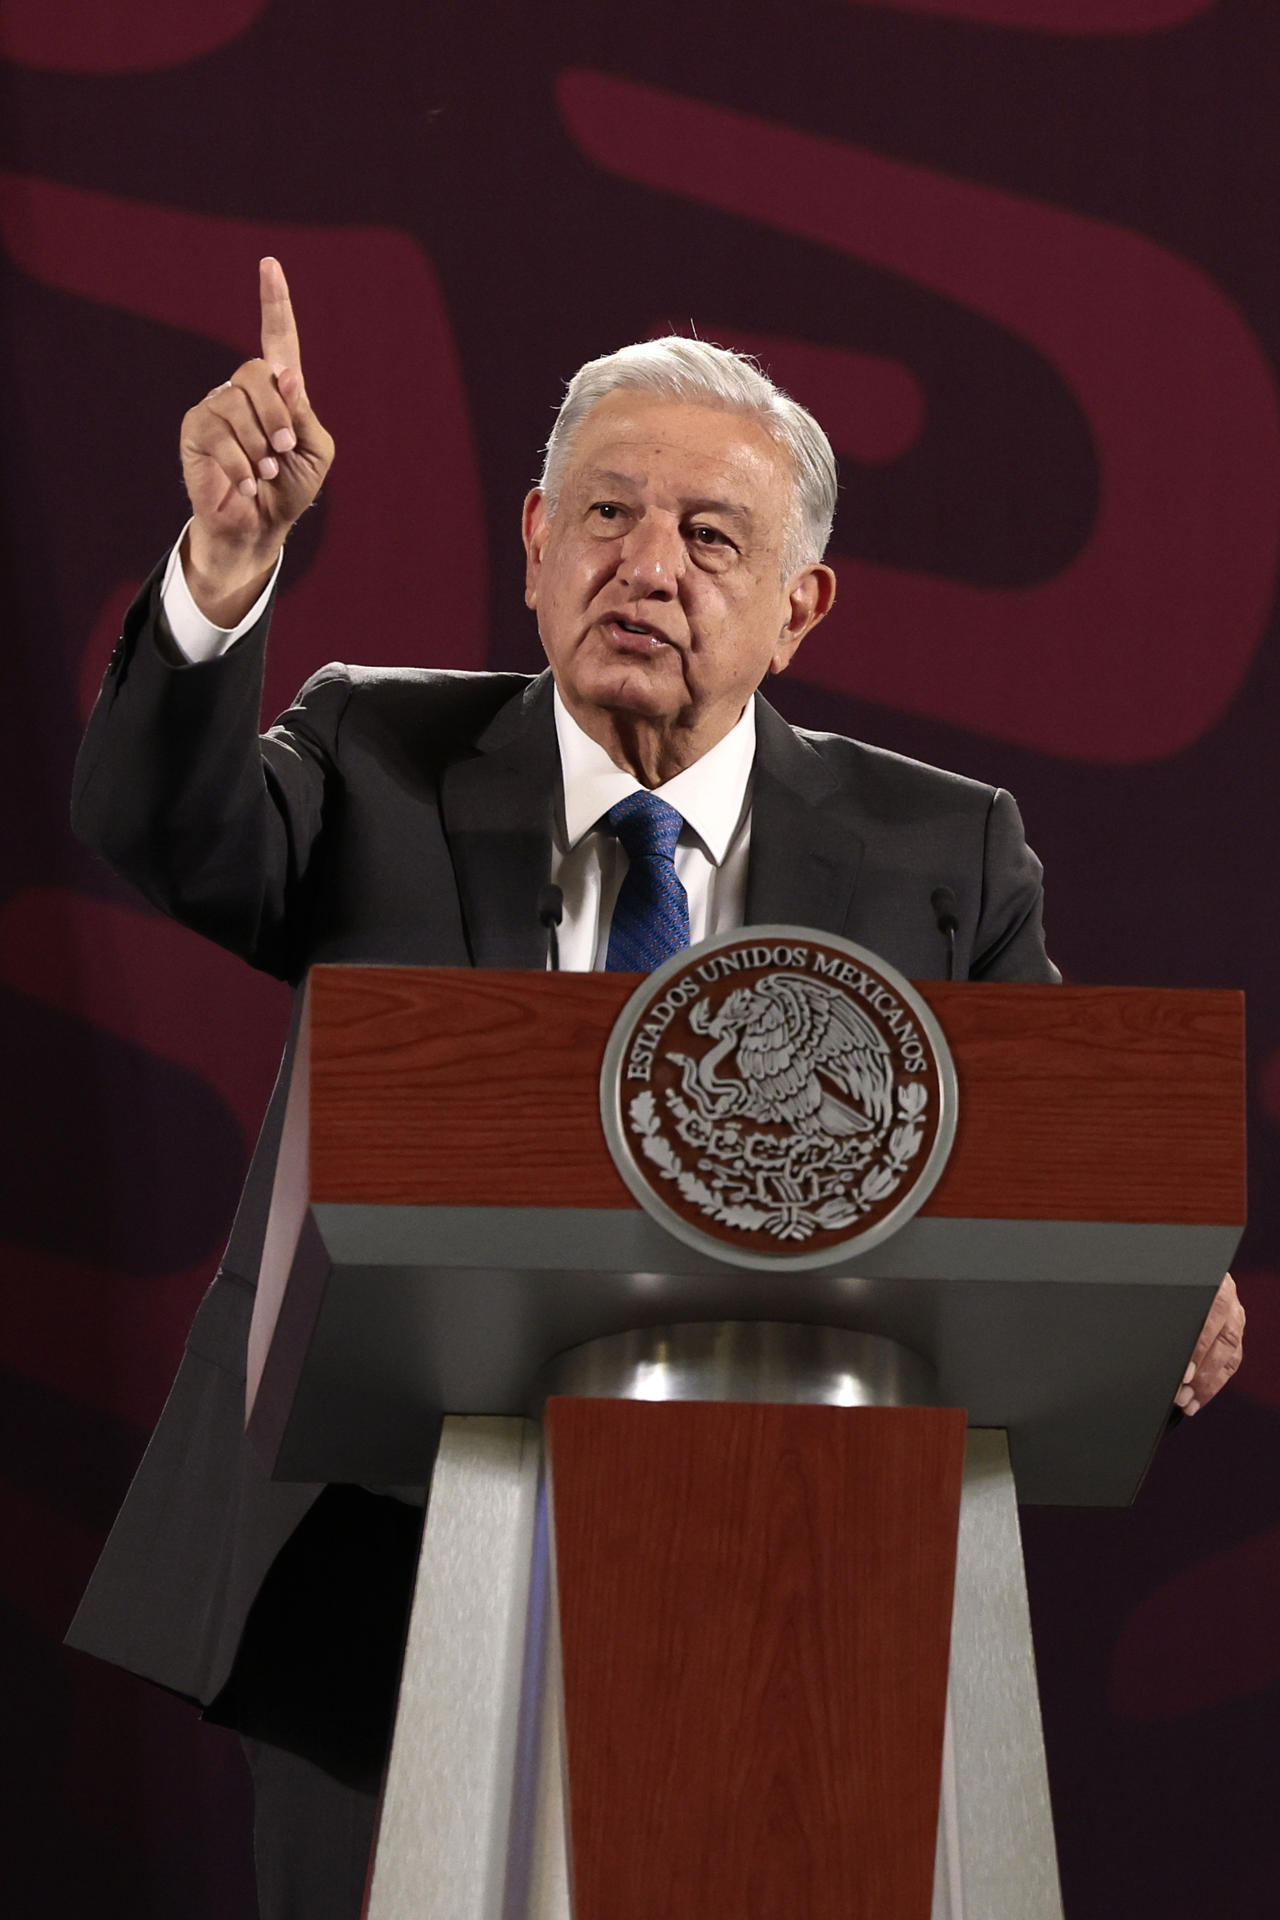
[709, 537]
[607, 509]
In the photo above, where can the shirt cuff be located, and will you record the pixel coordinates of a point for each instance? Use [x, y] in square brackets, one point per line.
[196, 638]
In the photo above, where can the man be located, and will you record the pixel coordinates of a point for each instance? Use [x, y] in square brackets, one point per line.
[674, 561]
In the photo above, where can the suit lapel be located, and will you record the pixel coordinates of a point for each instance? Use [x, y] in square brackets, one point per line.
[806, 842]
[497, 807]
[497, 810]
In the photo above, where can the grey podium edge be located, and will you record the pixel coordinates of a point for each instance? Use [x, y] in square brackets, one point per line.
[1070, 1335]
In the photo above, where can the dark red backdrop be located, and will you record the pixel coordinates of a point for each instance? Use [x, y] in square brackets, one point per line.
[1020, 255]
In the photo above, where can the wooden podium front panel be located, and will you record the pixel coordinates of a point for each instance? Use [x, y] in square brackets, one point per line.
[441, 1087]
[755, 1610]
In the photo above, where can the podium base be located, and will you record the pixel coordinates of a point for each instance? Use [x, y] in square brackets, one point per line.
[474, 1817]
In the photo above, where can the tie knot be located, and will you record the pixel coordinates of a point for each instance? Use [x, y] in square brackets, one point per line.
[646, 826]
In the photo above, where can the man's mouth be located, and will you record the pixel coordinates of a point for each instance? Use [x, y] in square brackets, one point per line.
[634, 635]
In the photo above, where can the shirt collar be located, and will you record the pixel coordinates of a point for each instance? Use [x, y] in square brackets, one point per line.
[710, 794]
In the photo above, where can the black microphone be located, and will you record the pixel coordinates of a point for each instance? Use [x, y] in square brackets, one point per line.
[550, 913]
[946, 913]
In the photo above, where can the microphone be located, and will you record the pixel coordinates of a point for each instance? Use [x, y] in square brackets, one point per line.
[946, 913]
[550, 913]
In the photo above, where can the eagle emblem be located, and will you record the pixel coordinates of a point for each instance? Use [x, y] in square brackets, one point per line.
[777, 1096]
[798, 1046]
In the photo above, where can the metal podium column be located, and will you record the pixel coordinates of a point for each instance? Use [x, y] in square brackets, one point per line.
[473, 1821]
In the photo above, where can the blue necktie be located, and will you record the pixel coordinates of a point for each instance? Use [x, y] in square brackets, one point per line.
[651, 915]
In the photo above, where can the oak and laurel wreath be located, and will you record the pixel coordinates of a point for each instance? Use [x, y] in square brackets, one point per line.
[791, 1222]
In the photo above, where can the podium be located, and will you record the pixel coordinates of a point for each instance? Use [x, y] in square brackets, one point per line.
[720, 1607]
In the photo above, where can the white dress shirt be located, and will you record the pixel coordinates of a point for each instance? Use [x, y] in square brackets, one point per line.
[713, 797]
[191, 633]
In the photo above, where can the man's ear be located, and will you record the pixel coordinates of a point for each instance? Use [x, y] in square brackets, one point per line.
[533, 531]
[811, 595]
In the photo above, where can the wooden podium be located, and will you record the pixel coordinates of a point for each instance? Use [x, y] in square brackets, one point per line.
[690, 1571]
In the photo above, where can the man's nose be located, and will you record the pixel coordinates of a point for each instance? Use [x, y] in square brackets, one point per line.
[652, 559]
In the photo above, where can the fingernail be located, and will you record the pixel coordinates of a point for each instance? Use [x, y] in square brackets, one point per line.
[284, 441]
[1192, 1406]
[278, 367]
[1190, 1373]
[249, 486]
[1182, 1396]
[268, 468]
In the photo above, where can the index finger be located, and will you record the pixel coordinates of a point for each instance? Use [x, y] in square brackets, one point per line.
[279, 329]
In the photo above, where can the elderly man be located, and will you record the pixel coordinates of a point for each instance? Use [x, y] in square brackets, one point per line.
[674, 561]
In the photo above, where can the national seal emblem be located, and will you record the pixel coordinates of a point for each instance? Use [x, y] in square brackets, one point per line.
[778, 1098]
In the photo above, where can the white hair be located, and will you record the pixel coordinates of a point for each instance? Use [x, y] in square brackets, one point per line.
[694, 370]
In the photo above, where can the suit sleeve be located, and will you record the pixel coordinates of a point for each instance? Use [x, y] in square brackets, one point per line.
[1009, 938]
[174, 788]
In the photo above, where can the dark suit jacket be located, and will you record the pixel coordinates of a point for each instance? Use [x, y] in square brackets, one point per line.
[404, 817]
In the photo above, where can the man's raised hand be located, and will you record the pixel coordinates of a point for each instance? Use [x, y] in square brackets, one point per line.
[254, 457]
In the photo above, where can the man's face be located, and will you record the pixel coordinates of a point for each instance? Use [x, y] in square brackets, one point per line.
[658, 581]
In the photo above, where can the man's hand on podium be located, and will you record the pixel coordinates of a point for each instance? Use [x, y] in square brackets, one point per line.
[1217, 1352]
